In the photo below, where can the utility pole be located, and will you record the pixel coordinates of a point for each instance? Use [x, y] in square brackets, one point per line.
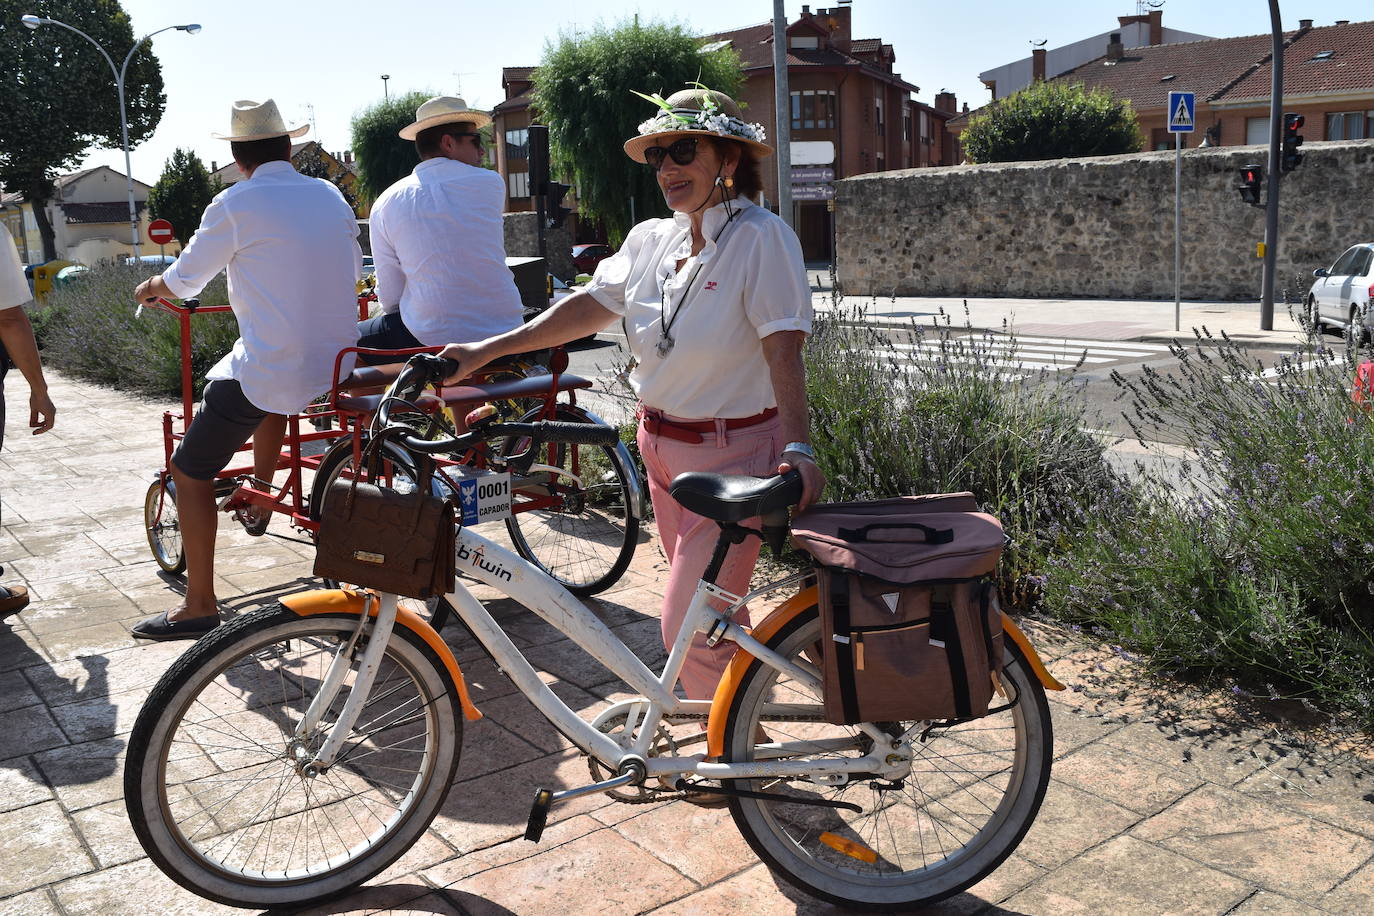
[782, 128]
[1271, 212]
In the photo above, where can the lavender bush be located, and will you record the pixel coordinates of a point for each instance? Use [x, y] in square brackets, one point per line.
[1255, 558]
[87, 327]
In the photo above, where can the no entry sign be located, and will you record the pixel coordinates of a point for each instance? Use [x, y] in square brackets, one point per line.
[160, 232]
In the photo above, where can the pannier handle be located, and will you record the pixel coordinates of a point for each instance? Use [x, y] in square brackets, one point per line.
[933, 535]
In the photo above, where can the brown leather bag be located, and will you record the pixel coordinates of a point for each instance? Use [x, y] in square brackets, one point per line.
[910, 627]
[375, 537]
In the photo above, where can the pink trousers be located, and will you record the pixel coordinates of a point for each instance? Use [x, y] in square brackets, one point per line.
[688, 539]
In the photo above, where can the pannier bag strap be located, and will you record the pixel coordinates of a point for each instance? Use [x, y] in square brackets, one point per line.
[933, 535]
[844, 651]
[958, 672]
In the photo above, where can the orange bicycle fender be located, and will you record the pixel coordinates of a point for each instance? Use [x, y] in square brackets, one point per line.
[784, 614]
[1041, 672]
[729, 682]
[347, 601]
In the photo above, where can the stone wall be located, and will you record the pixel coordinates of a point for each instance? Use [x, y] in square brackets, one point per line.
[1099, 228]
[522, 241]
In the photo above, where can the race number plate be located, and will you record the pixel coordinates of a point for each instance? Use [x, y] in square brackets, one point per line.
[483, 496]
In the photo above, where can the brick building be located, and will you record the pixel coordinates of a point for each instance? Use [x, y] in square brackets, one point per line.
[850, 112]
[1328, 77]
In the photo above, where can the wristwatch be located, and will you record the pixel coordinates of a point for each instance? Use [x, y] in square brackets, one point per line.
[800, 448]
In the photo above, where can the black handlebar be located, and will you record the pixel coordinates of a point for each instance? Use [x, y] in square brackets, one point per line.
[427, 368]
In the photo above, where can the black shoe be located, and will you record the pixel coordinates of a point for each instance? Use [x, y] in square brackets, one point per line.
[160, 628]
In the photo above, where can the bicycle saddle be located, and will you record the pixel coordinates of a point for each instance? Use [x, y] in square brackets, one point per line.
[735, 497]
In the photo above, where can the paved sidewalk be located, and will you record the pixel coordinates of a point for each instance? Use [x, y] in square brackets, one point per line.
[1091, 319]
[1163, 799]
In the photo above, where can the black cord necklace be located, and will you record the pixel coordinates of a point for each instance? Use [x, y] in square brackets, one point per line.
[665, 327]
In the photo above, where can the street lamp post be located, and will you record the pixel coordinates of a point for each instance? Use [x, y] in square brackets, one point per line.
[34, 22]
[385, 95]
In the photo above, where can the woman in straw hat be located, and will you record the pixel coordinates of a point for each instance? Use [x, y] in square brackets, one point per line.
[716, 306]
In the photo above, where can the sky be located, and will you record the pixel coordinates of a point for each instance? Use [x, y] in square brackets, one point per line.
[324, 61]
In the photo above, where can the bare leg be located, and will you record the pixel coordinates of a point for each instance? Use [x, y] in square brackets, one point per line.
[267, 440]
[196, 507]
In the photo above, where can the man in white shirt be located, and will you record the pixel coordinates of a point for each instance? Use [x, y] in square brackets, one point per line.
[290, 246]
[438, 242]
[17, 344]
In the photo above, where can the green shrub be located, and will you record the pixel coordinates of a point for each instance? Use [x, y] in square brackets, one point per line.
[87, 327]
[956, 420]
[1052, 120]
[1256, 557]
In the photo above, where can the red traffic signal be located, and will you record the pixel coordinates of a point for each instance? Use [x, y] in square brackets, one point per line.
[1251, 184]
[1290, 158]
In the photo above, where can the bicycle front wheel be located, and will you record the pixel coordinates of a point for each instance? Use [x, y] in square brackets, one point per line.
[215, 782]
[971, 795]
[585, 532]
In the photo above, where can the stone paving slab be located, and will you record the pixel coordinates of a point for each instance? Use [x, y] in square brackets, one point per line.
[1164, 798]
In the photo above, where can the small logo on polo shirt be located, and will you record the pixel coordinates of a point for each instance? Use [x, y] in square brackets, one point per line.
[710, 285]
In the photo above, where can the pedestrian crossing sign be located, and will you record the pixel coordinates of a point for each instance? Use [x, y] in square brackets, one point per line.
[1181, 119]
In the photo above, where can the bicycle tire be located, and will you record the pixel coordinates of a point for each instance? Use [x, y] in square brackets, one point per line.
[972, 793]
[586, 544]
[237, 762]
[162, 524]
[332, 463]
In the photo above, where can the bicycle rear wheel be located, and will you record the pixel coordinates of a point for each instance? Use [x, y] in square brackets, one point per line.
[586, 538]
[163, 525]
[214, 784]
[971, 795]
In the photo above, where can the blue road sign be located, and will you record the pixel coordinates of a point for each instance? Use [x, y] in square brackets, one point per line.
[1181, 118]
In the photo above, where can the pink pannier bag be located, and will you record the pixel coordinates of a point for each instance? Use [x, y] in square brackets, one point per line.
[910, 623]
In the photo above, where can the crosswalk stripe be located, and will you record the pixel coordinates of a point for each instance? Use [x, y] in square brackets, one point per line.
[997, 348]
[1124, 345]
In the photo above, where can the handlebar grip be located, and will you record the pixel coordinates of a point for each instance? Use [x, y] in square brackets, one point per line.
[578, 433]
[450, 367]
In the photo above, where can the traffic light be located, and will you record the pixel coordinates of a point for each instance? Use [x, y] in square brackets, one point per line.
[1251, 183]
[1290, 157]
[553, 204]
[538, 159]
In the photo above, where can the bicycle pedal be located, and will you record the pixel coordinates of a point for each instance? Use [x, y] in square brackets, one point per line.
[539, 815]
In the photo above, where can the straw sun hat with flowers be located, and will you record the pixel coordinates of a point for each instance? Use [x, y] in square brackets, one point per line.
[693, 112]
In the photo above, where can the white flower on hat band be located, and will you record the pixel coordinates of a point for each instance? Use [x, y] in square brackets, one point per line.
[705, 120]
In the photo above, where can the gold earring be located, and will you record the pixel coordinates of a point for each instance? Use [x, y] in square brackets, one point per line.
[729, 182]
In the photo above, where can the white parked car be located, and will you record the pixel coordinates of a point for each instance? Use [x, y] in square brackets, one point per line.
[1342, 292]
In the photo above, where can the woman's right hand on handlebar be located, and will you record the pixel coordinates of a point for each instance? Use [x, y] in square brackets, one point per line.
[470, 357]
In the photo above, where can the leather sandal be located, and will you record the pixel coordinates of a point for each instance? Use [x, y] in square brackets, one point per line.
[13, 599]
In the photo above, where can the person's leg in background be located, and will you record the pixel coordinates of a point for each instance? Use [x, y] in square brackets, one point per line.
[384, 332]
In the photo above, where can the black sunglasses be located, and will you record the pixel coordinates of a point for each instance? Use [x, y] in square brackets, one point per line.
[683, 151]
[476, 139]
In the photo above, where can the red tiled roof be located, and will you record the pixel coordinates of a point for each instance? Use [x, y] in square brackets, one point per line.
[1349, 68]
[1206, 68]
[866, 45]
[105, 212]
[753, 43]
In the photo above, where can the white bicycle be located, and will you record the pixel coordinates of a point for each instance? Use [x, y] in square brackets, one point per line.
[296, 752]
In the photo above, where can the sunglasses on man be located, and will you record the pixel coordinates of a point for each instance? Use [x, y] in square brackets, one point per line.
[476, 139]
[683, 151]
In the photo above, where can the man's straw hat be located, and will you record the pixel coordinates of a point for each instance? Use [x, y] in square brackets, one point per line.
[444, 109]
[257, 121]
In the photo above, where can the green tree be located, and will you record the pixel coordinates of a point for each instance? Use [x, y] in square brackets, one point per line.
[182, 194]
[1052, 120]
[582, 92]
[310, 162]
[59, 98]
[383, 158]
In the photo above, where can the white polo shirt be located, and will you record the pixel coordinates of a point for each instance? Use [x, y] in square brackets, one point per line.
[751, 284]
[290, 244]
[438, 243]
[14, 289]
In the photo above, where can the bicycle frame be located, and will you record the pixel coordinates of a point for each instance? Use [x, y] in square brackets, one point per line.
[506, 571]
